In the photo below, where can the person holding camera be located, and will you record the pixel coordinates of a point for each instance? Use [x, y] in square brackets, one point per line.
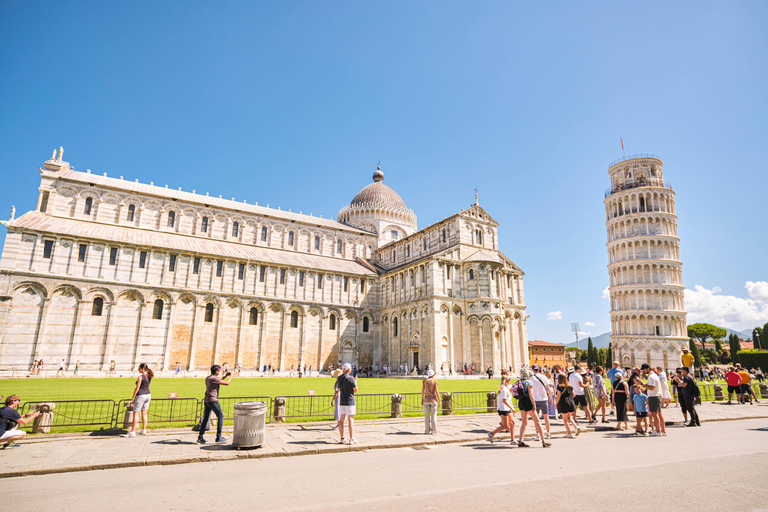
[9, 420]
[211, 403]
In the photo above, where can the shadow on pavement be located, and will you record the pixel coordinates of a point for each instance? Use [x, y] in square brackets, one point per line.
[172, 442]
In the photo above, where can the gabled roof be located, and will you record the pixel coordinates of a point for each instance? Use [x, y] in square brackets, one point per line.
[542, 343]
[476, 212]
[174, 242]
[213, 202]
[481, 257]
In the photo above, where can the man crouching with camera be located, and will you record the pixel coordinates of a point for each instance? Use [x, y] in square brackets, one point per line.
[9, 420]
[211, 403]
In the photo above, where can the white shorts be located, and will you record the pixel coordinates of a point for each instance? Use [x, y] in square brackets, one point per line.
[141, 402]
[346, 410]
[11, 433]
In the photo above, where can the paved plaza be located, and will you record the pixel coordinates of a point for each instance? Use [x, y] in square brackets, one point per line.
[721, 464]
[76, 453]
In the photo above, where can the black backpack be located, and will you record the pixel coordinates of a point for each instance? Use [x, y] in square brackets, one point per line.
[523, 398]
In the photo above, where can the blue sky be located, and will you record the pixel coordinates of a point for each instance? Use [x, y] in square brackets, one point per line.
[292, 104]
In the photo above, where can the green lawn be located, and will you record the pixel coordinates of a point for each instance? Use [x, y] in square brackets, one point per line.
[119, 388]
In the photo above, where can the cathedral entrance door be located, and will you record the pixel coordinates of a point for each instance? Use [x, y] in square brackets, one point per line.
[415, 359]
[347, 353]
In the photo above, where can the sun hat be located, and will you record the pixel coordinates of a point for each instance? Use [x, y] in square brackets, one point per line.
[525, 373]
[335, 373]
[430, 373]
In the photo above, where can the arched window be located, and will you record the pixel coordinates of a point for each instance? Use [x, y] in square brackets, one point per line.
[366, 323]
[294, 319]
[253, 317]
[171, 218]
[290, 238]
[424, 243]
[209, 312]
[204, 225]
[157, 312]
[131, 212]
[264, 233]
[471, 274]
[88, 206]
[235, 229]
[98, 305]
[444, 235]
[394, 326]
[479, 237]
[332, 322]
[338, 246]
[317, 243]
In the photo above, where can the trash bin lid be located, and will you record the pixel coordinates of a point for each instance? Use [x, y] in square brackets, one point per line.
[251, 405]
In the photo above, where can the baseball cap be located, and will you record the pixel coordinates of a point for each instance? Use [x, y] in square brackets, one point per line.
[536, 368]
[347, 366]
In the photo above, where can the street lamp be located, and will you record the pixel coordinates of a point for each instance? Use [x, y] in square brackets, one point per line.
[575, 329]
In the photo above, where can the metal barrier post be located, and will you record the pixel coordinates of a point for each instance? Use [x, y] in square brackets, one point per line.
[280, 409]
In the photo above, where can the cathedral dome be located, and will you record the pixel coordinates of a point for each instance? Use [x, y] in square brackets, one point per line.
[379, 195]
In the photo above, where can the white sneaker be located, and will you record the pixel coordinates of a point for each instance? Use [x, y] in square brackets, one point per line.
[655, 434]
[578, 431]
[353, 441]
[490, 437]
[537, 438]
[129, 434]
[568, 436]
[548, 435]
[143, 432]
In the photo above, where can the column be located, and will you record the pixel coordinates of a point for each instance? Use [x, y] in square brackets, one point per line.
[239, 345]
[197, 313]
[107, 346]
[168, 335]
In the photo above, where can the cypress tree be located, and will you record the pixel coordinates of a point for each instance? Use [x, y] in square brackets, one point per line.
[591, 359]
[695, 352]
[609, 357]
[735, 347]
[718, 346]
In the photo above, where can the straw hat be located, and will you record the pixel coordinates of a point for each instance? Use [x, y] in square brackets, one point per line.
[335, 373]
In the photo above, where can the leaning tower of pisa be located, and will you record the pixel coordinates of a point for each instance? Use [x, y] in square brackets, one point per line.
[648, 320]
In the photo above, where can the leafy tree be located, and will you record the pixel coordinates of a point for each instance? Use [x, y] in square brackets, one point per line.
[757, 338]
[609, 357]
[702, 332]
[695, 352]
[718, 346]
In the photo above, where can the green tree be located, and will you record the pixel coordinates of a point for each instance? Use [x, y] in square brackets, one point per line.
[702, 332]
[735, 346]
[590, 353]
[718, 346]
[609, 357]
[695, 352]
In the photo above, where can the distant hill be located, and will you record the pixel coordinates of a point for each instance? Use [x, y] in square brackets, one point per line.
[602, 340]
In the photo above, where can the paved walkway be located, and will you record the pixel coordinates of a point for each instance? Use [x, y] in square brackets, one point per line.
[41, 454]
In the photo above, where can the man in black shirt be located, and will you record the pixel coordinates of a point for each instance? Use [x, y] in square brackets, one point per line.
[9, 416]
[685, 386]
[346, 386]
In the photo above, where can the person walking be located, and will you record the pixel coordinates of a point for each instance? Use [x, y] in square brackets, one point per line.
[40, 366]
[542, 397]
[211, 403]
[61, 369]
[34, 367]
[334, 401]
[178, 369]
[620, 396]
[526, 404]
[733, 379]
[598, 388]
[641, 411]
[666, 397]
[430, 397]
[688, 391]
[77, 367]
[141, 398]
[506, 412]
[10, 417]
[577, 383]
[688, 359]
[347, 388]
[653, 387]
[612, 376]
[589, 396]
[566, 405]
[111, 368]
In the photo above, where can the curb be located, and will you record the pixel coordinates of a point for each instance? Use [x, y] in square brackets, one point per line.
[253, 454]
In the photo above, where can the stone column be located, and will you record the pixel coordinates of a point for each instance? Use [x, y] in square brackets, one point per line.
[302, 338]
[169, 335]
[239, 345]
[76, 331]
[107, 347]
[217, 334]
[193, 343]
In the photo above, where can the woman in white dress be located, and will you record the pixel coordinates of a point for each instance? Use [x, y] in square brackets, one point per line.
[665, 395]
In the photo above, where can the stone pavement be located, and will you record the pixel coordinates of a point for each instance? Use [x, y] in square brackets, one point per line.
[41, 454]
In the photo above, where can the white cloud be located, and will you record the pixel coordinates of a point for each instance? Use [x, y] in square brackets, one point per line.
[736, 313]
[584, 333]
[555, 315]
[758, 290]
[607, 293]
[589, 324]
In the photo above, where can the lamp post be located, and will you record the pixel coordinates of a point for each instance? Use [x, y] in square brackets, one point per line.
[575, 329]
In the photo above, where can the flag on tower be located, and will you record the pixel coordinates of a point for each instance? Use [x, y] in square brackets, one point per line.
[622, 143]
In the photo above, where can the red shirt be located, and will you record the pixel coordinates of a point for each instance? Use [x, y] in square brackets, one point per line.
[733, 379]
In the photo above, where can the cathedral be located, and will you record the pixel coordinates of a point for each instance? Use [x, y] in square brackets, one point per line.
[105, 269]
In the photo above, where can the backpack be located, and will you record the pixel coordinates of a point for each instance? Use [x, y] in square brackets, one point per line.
[695, 390]
[518, 389]
[523, 398]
